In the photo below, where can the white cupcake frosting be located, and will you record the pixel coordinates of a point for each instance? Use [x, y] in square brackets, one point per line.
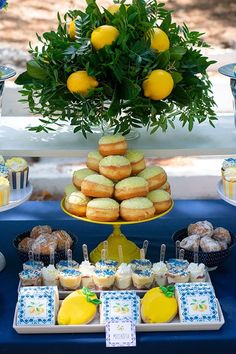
[50, 273]
[86, 268]
[124, 269]
[159, 268]
[197, 269]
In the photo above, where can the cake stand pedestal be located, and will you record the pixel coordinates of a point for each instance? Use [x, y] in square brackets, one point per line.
[17, 197]
[130, 250]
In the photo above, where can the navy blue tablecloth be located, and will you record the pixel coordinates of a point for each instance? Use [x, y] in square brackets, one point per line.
[30, 214]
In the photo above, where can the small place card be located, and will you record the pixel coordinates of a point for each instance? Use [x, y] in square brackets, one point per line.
[120, 334]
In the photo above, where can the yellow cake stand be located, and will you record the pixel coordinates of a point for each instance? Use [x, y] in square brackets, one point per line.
[129, 248]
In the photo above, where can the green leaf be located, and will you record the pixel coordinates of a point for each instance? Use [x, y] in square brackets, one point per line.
[24, 79]
[176, 53]
[177, 77]
[130, 90]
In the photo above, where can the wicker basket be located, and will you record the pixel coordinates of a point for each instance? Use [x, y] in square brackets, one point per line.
[210, 259]
[24, 257]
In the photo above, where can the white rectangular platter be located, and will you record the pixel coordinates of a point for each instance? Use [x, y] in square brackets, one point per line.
[96, 327]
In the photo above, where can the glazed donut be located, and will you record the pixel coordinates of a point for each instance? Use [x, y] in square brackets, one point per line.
[93, 159]
[131, 187]
[155, 175]
[136, 159]
[70, 188]
[39, 230]
[166, 187]
[201, 228]
[161, 200]
[115, 167]
[112, 145]
[76, 203]
[137, 209]
[26, 244]
[222, 234]
[63, 239]
[103, 209]
[79, 176]
[190, 243]
[44, 244]
[207, 244]
[97, 186]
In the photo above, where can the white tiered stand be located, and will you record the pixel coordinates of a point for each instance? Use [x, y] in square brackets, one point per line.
[17, 197]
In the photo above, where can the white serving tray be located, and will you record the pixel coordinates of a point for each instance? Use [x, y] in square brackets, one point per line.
[96, 327]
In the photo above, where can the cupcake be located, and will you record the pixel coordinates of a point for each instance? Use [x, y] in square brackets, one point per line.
[103, 279]
[97, 186]
[131, 187]
[142, 279]
[103, 209]
[115, 167]
[107, 264]
[160, 273]
[79, 175]
[93, 159]
[76, 203]
[136, 209]
[4, 172]
[141, 264]
[123, 278]
[4, 191]
[18, 172]
[30, 277]
[197, 272]
[228, 172]
[112, 145]
[175, 275]
[136, 159]
[33, 265]
[161, 200]
[70, 278]
[70, 188]
[155, 176]
[64, 264]
[50, 275]
[87, 269]
[179, 264]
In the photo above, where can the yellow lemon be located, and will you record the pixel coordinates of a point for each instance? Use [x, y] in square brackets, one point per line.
[158, 85]
[113, 8]
[80, 82]
[104, 35]
[76, 310]
[159, 40]
[156, 307]
[72, 30]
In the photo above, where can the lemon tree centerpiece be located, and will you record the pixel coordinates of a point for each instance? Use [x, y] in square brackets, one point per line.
[125, 66]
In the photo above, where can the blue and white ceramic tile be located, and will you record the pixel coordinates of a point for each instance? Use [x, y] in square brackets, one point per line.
[120, 305]
[197, 303]
[37, 306]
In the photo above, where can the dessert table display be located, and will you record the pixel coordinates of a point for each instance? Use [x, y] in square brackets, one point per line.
[158, 231]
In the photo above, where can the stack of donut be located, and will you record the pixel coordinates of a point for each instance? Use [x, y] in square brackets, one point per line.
[117, 184]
